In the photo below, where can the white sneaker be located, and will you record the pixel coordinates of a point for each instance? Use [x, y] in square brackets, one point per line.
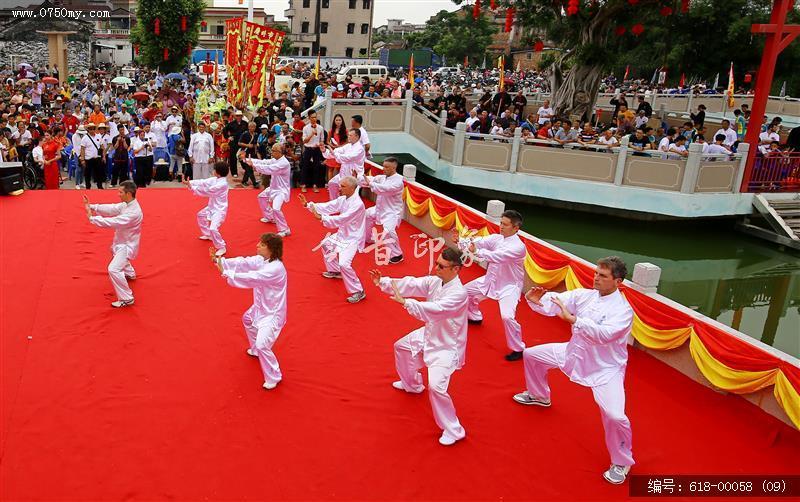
[356, 297]
[122, 303]
[77, 187]
[616, 474]
[446, 440]
[251, 352]
[204, 237]
[221, 252]
[528, 400]
[399, 386]
[270, 386]
[265, 220]
[284, 233]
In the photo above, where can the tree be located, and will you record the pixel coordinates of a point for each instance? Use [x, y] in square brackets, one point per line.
[170, 17]
[454, 35]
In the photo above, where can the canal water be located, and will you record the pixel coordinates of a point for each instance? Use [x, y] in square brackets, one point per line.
[708, 266]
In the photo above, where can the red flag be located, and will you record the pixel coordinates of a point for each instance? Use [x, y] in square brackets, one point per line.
[466, 61]
[509, 18]
[476, 10]
[492, 5]
[627, 71]
[682, 83]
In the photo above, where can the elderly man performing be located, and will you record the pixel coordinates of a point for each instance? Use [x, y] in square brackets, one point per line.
[346, 214]
[388, 208]
[595, 356]
[272, 198]
[126, 220]
[211, 217]
[505, 273]
[264, 320]
[441, 344]
[351, 156]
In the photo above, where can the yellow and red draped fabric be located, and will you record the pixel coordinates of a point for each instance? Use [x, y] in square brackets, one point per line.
[233, 37]
[726, 361]
[411, 70]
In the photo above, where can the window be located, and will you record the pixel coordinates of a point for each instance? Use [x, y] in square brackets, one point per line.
[364, 28]
[325, 4]
[306, 4]
[306, 51]
[375, 71]
[351, 27]
[362, 52]
[352, 4]
[363, 72]
[120, 47]
[220, 29]
[348, 52]
[203, 29]
[323, 51]
[367, 4]
[304, 27]
[323, 27]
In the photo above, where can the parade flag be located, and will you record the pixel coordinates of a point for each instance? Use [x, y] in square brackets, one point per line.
[316, 70]
[233, 48]
[501, 66]
[627, 71]
[716, 82]
[730, 87]
[783, 89]
[682, 83]
[411, 70]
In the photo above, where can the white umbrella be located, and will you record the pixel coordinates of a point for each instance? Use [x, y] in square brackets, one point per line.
[25, 65]
[121, 80]
[30, 75]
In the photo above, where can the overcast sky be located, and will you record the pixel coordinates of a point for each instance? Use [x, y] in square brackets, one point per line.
[412, 11]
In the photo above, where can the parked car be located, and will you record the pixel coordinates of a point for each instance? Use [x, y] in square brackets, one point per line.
[359, 71]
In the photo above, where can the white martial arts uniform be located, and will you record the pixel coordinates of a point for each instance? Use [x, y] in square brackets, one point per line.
[265, 319]
[348, 216]
[595, 356]
[272, 199]
[351, 156]
[387, 211]
[201, 151]
[440, 345]
[211, 217]
[126, 220]
[503, 281]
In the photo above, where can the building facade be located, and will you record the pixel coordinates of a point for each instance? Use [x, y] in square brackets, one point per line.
[333, 28]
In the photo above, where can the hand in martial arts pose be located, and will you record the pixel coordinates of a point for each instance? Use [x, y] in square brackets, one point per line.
[211, 217]
[388, 208]
[595, 356]
[346, 214]
[264, 320]
[441, 344]
[351, 156]
[503, 281]
[126, 220]
[272, 198]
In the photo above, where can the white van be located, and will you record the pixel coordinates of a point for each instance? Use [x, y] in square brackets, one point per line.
[358, 71]
[445, 71]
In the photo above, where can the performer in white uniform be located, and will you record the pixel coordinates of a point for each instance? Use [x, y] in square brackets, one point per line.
[388, 208]
[595, 356]
[272, 198]
[264, 320]
[126, 220]
[211, 217]
[351, 156]
[505, 273]
[346, 214]
[441, 344]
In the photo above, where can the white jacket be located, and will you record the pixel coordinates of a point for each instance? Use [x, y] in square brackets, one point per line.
[126, 220]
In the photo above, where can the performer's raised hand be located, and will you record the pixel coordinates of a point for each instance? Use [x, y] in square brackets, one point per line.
[315, 213]
[564, 313]
[397, 296]
[375, 274]
[303, 199]
[212, 252]
[534, 295]
[185, 181]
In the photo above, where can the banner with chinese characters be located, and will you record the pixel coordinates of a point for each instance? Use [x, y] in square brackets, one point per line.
[233, 38]
[260, 53]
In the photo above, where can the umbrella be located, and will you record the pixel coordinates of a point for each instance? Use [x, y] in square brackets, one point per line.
[25, 65]
[141, 96]
[24, 81]
[30, 75]
[419, 80]
[71, 79]
[175, 76]
[50, 80]
[122, 80]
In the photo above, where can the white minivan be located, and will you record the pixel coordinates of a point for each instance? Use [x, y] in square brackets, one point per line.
[358, 71]
[446, 71]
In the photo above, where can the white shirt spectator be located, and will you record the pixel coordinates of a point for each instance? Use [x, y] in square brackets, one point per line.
[23, 139]
[730, 136]
[317, 138]
[90, 147]
[715, 149]
[545, 114]
[364, 140]
[172, 120]
[201, 147]
[159, 131]
[610, 141]
[38, 155]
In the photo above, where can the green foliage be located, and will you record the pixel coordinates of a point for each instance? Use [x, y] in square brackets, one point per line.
[287, 49]
[151, 47]
[454, 36]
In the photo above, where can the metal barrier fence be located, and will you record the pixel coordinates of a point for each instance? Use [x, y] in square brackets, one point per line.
[778, 173]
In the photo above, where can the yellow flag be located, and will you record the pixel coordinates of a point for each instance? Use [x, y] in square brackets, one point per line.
[316, 70]
[502, 73]
[730, 88]
[411, 71]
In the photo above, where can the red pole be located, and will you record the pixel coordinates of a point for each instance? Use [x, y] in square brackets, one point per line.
[777, 39]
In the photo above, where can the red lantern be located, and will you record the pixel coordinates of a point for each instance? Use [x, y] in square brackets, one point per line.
[492, 5]
[572, 7]
[476, 10]
[633, 2]
[748, 78]
[157, 26]
[183, 23]
[666, 11]
[637, 29]
[510, 18]
[203, 24]
[136, 49]
[538, 46]
[619, 31]
[166, 54]
[684, 6]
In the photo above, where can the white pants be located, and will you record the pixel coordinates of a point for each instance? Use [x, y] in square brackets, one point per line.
[261, 340]
[610, 397]
[201, 170]
[508, 310]
[389, 224]
[209, 224]
[408, 366]
[118, 269]
[342, 262]
[271, 204]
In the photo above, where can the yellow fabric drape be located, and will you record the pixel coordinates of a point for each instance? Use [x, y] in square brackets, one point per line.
[788, 398]
[725, 378]
[659, 339]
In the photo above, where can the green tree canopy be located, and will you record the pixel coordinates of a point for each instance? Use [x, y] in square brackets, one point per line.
[169, 13]
[454, 35]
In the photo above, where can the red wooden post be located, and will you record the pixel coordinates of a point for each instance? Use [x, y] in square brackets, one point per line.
[779, 36]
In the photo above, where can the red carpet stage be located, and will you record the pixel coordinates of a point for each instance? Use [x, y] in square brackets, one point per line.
[160, 401]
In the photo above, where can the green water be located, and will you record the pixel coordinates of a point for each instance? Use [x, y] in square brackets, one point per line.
[738, 280]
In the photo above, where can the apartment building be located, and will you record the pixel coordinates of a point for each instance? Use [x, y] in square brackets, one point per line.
[333, 28]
